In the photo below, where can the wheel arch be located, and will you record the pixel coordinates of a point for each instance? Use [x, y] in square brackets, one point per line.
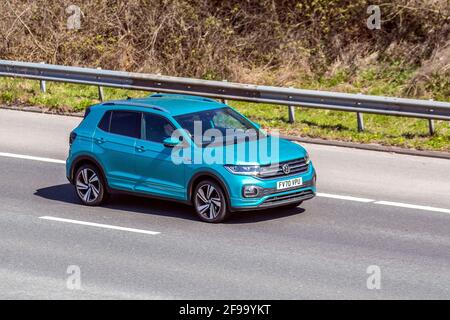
[207, 175]
[86, 159]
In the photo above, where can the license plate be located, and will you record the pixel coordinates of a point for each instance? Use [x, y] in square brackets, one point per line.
[286, 184]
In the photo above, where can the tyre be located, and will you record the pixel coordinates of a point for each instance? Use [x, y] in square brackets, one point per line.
[210, 202]
[90, 185]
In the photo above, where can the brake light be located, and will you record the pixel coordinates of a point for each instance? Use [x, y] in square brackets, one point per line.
[72, 137]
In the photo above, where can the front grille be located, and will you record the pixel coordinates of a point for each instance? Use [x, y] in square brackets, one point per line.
[274, 171]
[292, 197]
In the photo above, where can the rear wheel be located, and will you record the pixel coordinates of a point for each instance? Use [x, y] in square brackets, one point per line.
[210, 202]
[90, 186]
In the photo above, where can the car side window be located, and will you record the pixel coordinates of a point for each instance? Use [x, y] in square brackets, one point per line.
[126, 123]
[104, 123]
[157, 128]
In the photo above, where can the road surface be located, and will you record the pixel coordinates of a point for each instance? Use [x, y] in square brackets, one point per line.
[374, 209]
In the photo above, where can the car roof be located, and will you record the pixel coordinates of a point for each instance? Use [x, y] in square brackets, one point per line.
[174, 104]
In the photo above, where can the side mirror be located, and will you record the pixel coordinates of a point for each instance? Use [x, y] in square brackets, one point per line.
[171, 142]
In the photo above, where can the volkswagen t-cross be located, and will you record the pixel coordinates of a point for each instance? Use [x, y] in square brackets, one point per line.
[189, 149]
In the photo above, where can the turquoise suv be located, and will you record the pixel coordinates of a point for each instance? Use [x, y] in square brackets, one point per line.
[189, 149]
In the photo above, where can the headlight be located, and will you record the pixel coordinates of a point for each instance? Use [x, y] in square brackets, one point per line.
[244, 170]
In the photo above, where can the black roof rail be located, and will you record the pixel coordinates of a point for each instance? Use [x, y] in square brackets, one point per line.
[186, 96]
[135, 104]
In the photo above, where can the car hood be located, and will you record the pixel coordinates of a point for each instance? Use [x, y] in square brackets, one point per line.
[264, 151]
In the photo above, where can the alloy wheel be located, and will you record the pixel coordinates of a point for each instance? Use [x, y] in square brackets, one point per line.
[208, 201]
[88, 185]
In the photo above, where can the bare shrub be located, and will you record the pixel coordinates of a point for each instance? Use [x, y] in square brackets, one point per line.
[268, 41]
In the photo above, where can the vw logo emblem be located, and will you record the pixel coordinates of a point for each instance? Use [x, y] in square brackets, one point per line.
[286, 169]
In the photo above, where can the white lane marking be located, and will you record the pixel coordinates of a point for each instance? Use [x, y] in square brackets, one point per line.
[99, 225]
[412, 206]
[22, 156]
[349, 198]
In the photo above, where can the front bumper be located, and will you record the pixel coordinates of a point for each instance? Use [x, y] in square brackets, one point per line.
[272, 197]
[281, 200]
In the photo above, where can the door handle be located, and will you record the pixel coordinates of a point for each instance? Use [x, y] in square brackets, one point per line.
[100, 140]
[140, 149]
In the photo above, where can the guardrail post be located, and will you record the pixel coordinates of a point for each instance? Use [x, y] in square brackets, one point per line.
[360, 121]
[101, 95]
[42, 84]
[224, 101]
[431, 127]
[291, 112]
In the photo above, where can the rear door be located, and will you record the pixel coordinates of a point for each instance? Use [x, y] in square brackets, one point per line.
[158, 174]
[114, 144]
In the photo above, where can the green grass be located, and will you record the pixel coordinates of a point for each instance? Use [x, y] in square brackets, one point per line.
[335, 125]
[59, 96]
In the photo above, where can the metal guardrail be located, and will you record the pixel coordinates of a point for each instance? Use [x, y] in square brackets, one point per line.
[426, 109]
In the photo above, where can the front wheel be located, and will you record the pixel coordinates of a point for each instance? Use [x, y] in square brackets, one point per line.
[210, 202]
[90, 186]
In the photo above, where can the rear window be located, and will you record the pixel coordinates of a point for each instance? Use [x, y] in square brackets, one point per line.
[104, 123]
[126, 123]
[86, 112]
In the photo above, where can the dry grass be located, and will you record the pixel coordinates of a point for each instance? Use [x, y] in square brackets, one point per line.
[267, 41]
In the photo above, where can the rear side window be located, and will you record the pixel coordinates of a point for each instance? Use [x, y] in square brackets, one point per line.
[86, 112]
[104, 123]
[157, 128]
[126, 123]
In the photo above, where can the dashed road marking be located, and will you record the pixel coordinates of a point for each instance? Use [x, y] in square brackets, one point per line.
[349, 198]
[99, 225]
[412, 206]
[26, 157]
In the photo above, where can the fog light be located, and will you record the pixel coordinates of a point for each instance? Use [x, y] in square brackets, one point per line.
[251, 191]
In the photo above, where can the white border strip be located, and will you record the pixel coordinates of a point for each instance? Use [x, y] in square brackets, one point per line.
[22, 156]
[99, 225]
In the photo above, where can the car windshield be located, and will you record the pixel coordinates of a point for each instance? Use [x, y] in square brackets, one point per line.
[218, 126]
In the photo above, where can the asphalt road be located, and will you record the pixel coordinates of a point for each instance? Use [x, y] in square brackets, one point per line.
[373, 208]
